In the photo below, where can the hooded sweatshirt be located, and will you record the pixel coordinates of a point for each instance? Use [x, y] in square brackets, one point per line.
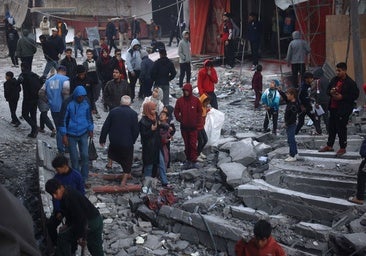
[206, 82]
[202, 98]
[45, 27]
[26, 47]
[163, 71]
[250, 248]
[184, 49]
[297, 49]
[76, 117]
[188, 110]
[271, 98]
[133, 57]
[158, 101]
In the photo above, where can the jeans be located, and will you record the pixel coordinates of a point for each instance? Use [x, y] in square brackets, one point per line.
[80, 142]
[133, 81]
[76, 48]
[295, 69]
[28, 59]
[29, 113]
[13, 104]
[229, 53]
[56, 116]
[166, 90]
[271, 113]
[337, 125]
[45, 120]
[49, 65]
[291, 139]
[254, 45]
[313, 117]
[202, 140]
[185, 69]
[162, 169]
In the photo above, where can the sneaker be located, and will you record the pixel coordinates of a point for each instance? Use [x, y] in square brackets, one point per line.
[203, 156]
[200, 159]
[341, 152]
[355, 200]
[326, 149]
[32, 135]
[291, 159]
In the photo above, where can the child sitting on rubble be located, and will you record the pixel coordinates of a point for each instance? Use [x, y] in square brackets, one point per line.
[292, 108]
[271, 102]
[262, 244]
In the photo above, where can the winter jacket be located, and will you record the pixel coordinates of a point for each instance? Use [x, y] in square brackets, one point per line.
[304, 97]
[57, 89]
[12, 38]
[70, 65]
[123, 26]
[271, 98]
[202, 122]
[105, 69]
[250, 248]
[205, 82]
[184, 49]
[120, 120]
[291, 111]
[133, 57]
[321, 86]
[91, 70]
[254, 31]
[76, 117]
[31, 84]
[257, 81]
[88, 86]
[26, 47]
[349, 92]
[71, 179]
[163, 71]
[297, 49]
[45, 27]
[150, 140]
[52, 47]
[158, 101]
[11, 90]
[188, 110]
[113, 91]
[146, 67]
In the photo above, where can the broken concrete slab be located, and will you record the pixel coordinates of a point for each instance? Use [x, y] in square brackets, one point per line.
[357, 242]
[224, 140]
[313, 230]
[248, 214]
[283, 151]
[190, 174]
[356, 225]
[245, 135]
[262, 148]
[203, 202]
[235, 174]
[243, 152]
[258, 194]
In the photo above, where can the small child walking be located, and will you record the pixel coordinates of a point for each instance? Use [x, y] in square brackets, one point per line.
[271, 102]
[78, 45]
[292, 108]
[257, 85]
[11, 94]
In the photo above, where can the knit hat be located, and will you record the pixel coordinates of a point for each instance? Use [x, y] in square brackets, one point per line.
[277, 83]
[80, 69]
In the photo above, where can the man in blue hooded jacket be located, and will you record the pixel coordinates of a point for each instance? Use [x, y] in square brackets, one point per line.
[76, 126]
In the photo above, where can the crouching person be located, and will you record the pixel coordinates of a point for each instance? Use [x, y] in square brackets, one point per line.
[83, 221]
[261, 244]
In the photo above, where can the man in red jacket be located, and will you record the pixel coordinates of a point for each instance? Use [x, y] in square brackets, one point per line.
[207, 78]
[263, 244]
[188, 111]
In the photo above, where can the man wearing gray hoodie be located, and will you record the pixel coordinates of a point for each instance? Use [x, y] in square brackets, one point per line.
[297, 52]
[184, 52]
[133, 62]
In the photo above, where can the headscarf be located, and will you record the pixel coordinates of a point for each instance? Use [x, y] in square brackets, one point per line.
[147, 110]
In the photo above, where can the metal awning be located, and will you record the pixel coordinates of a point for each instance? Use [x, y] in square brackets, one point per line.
[284, 4]
[53, 10]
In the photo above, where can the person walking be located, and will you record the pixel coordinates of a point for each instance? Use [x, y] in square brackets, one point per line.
[75, 128]
[257, 86]
[70, 63]
[188, 112]
[57, 88]
[321, 96]
[184, 53]
[343, 92]
[121, 120]
[105, 71]
[111, 34]
[31, 83]
[133, 63]
[26, 48]
[163, 71]
[52, 49]
[227, 41]
[297, 53]
[115, 89]
[11, 94]
[305, 105]
[271, 102]
[122, 32]
[146, 81]
[12, 39]
[254, 34]
[62, 31]
[207, 78]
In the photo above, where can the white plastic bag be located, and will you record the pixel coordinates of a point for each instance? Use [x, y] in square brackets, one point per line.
[214, 121]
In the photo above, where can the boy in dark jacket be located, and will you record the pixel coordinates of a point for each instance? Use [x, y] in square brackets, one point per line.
[257, 86]
[262, 244]
[305, 105]
[67, 177]
[11, 94]
[291, 111]
[70, 63]
[83, 221]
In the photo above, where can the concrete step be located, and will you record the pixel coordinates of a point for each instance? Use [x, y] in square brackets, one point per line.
[260, 195]
[283, 151]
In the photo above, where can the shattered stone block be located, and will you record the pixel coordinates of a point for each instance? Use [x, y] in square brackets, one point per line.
[243, 152]
[203, 202]
[235, 173]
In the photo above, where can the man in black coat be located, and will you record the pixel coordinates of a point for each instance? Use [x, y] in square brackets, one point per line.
[343, 92]
[162, 72]
[121, 120]
[111, 33]
[31, 84]
[52, 48]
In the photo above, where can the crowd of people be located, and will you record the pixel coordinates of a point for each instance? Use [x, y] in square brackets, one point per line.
[72, 92]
